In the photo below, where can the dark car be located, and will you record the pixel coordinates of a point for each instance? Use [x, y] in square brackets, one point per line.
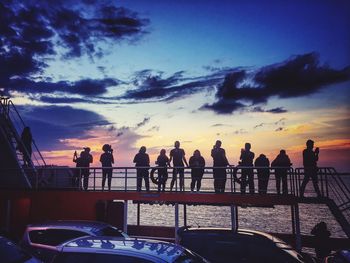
[123, 250]
[44, 239]
[341, 256]
[11, 253]
[225, 245]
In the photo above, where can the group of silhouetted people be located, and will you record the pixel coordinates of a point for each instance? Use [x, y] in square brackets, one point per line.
[281, 166]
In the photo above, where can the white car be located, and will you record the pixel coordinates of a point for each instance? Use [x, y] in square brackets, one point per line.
[43, 240]
[125, 250]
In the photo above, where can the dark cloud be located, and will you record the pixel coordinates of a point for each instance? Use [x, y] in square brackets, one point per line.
[126, 130]
[152, 86]
[143, 123]
[298, 76]
[280, 122]
[33, 31]
[54, 124]
[80, 87]
[274, 110]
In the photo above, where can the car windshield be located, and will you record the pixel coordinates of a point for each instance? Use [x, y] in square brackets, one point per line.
[11, 253]
[54, 237]
[109, 231]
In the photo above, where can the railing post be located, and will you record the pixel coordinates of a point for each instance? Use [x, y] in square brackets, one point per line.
[94, 179]
[36, 181]
[326, 179]
[234, 218]
[126, 179]
[321, 179]
[125, 223]
[176, 223]
[138, 214]
[231, 173]
[293, 219]
[297, 228]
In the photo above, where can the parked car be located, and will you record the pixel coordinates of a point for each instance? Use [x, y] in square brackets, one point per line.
[127, 250]
[44, 239]
[10, 253]
[225, 245]
[341, 256]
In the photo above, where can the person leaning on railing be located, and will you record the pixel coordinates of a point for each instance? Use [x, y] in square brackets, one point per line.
[141, 159]
[219, 172]
[247, 177]
[281, 164]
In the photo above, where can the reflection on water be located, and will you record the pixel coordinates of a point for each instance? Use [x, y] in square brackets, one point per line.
[277, 219]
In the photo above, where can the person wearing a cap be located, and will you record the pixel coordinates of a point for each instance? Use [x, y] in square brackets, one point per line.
[310, 158]
[87, 159]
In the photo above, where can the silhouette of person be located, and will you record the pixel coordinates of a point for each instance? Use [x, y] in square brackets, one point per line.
[162, 161]
[219, 162]
[247, 158]
[310, 158]
[78, 172]
[107, 160]
[197, 163]
[322, 240]
[263, 173]
[281, 164]
[26, 147]
[87, 159]
[141, 159]
[177, 155]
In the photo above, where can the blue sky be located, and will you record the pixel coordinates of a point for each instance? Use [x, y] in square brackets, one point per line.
[136, 73]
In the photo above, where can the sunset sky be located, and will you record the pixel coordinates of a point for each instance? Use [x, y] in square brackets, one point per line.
[133, 73]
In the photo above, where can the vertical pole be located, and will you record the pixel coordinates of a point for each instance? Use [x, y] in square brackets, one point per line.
[326, 178]
[185, 215]
[176, 223]
[138, 214]
[231, 173]
[293, 219]
[234, 218]
[320, 175]
[8, 215]
[297, 228]
[126, 179]
[125, 223]
[94, 179]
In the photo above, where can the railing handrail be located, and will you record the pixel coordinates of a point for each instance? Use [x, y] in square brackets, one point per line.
[11, 104]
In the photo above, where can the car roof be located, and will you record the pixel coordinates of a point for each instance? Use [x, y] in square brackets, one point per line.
[84, 225]
[247, 232]
[117, 245]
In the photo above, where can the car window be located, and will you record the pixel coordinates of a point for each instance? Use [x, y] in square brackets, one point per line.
[11, 253]
[109, 231]
[53, 237]
[96, 258]
[188, 257]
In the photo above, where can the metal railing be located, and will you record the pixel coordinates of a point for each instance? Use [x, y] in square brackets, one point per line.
[125, 179]
[9, 110]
